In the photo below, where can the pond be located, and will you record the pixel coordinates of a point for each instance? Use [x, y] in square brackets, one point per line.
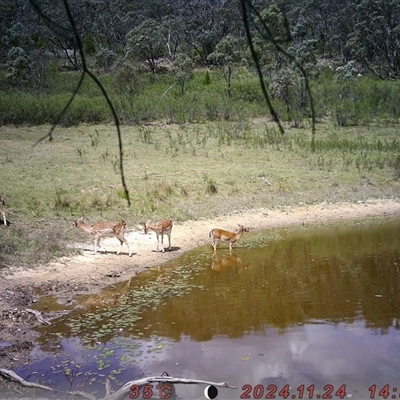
[306, 312]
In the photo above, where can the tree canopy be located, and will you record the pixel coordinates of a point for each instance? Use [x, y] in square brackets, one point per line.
[363, 31]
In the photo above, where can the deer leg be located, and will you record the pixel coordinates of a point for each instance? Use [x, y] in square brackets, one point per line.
[122, 240]
[129, 248]
[162, 242]
[214, 244]
[97, 244]
[120, 245]
[4, 217]
[158, 242]
[169, 241]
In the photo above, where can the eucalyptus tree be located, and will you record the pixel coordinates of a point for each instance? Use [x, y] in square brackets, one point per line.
[182, 70]
[19, 68]
[375, 39]
[174, 37]
[17, 24]
[329, 22]
[227, 56]
[271, 36]
[112, 21]
[145, 43]
[230, 19]
[55, 31]
[203, 25]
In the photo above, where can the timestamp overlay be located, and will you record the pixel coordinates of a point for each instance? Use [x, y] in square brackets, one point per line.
[290, 314]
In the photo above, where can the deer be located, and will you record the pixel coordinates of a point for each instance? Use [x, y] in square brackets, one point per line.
[3, 211]
[161, 228]
[226, 236]
[104, 229]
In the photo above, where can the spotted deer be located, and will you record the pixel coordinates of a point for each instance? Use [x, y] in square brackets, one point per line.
[104, 229]
[226, 236]
[161, 228]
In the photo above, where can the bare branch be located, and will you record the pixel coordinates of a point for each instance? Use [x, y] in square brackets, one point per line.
[38, 316]
[125, 389]
[14, 377]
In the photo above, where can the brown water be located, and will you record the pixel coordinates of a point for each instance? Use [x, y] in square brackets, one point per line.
[297, 307]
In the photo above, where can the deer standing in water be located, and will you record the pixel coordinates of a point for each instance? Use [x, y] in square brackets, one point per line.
[161, 228]
[104, 229]
[226, 236]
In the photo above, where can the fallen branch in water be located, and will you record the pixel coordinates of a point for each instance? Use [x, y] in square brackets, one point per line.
[38, 316]
[120, 393]
[14, 377]
[11, 375]
[125, 389]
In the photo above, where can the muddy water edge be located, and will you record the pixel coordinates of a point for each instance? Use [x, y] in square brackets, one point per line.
[294, 308]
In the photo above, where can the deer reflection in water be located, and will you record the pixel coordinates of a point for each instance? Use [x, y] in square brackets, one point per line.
[228, 261]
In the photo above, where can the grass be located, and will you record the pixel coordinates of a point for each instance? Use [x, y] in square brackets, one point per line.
[187, 171]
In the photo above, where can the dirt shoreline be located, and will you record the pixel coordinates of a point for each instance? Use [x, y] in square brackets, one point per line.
[88, 273]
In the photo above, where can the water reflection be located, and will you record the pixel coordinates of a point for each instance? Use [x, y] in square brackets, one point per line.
[231, 260]
[290, 306]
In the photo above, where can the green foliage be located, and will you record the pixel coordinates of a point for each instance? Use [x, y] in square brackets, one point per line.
[105, 59]
[182, 71]
[375, 37]
[141, 97]
[145, 43]
[89, 45]
[19, 67]
[227, 56]
[207, 79]
[347, 72]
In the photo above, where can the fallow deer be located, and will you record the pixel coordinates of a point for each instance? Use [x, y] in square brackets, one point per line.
[161, 228]
[226, 236]
[104, 229]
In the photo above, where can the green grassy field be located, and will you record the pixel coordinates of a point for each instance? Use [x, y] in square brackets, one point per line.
[187, 171]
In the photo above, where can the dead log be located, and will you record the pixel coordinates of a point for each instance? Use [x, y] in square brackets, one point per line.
[125, 389]
[11, 375]
[121, 393]
[14, 377]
